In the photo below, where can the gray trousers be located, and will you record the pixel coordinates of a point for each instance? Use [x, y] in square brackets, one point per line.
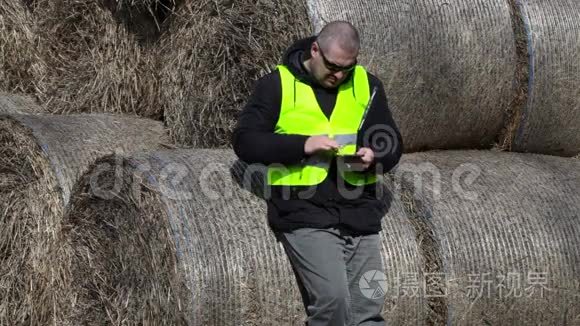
[328, 265]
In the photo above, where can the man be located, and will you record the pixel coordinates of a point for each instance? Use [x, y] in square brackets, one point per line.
[303, 122]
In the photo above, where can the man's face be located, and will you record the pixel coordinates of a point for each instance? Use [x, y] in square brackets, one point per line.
[331, 66]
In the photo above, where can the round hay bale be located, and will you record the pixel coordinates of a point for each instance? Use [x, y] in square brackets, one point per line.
[181, 237]
[447, 66]
[197, 250]
[41, 157]
[503, 235]
[18, 51]
[92, 63]
[551, 117]
[15, 103]
[212, 52]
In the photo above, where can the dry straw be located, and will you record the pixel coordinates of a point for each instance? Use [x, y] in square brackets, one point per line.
[142, 18]
[184, 239]
[14, 103]
[447, 67]
[551, 118]
[41, 157]
[184, 234]
[19, 64]
[212, 53]
[92, 64]
[18, 48]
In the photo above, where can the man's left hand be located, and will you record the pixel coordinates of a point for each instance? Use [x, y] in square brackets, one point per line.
[367, 156]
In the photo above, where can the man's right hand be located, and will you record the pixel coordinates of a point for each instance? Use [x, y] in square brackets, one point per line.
[319, 143]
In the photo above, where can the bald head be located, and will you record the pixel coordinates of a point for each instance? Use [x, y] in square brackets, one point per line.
[339, 33]
[334, 54]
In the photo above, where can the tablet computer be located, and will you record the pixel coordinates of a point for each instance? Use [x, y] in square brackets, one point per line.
[351, 158]
[350, 162]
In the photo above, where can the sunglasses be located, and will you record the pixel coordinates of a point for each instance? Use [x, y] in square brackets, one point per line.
[333, 66]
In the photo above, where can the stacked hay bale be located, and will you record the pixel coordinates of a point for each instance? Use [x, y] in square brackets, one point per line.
[197, 250]
[191, 63]
[447, 67]
[91, 63]
[41, 158]
[551, 118]
[504, 233]
[212, 53]
[475, 73]
[196, 246]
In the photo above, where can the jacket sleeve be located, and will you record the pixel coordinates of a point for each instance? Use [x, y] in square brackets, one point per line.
[253, 139]
[380, 132]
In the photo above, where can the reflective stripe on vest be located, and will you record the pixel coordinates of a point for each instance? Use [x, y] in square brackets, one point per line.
[300, 114]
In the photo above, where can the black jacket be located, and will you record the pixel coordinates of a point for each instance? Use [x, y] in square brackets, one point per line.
[254, 141]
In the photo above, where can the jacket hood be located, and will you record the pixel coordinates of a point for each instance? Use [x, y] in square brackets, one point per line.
[294, 57]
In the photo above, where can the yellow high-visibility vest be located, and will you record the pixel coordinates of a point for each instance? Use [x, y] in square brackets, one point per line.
[300, 114]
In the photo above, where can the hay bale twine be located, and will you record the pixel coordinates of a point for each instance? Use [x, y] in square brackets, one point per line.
[183, 239]
[212, 52]
[447, 66]
[551, 118]
[502, 229]
[93, 64]
[41, 157]
[16, 103]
